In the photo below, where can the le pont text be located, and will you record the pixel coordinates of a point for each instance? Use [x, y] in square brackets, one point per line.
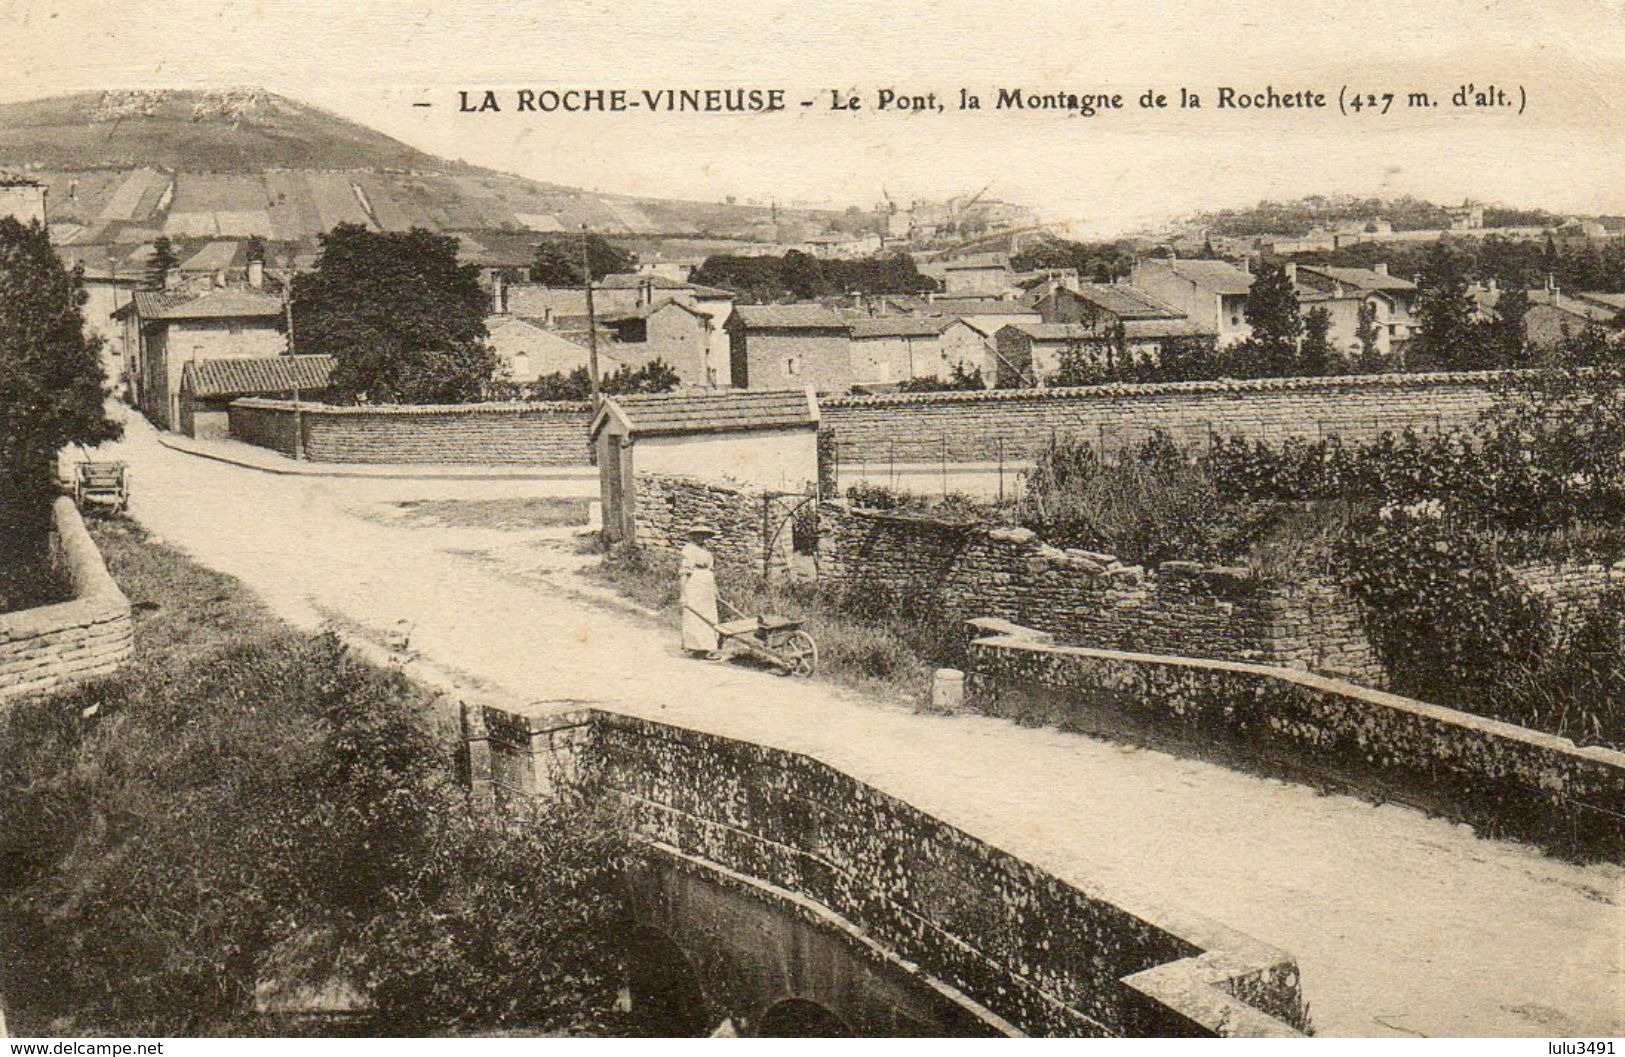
[623, 100]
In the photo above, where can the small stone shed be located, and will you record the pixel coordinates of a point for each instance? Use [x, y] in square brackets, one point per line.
[765, 439]
[209, 386]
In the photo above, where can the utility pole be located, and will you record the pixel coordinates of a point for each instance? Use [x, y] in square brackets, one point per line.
[293, 368]
[592, 320]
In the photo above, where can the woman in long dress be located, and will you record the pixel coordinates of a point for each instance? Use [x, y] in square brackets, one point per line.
[699, 594]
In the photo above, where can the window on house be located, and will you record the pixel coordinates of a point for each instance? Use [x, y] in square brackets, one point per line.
[790, 366]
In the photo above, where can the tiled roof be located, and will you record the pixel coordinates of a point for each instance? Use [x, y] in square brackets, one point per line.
[638, 280]
[788, 317]
[899, 326]
[725, 410]
[213, 257]
[255, 376]
[17, 179]
[1360, 278]
[979, 306]
[1055, 331]
[1614, 301]
[221, 303]
[1124, 302]
[1221, 277]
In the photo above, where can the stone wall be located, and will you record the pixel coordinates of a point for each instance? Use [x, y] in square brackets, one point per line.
[1497, 776]
[1022, 950]
[969, 570]
[1570, 586]
[752, 525]
[51, 646]
[532, 434]
[1015, 423]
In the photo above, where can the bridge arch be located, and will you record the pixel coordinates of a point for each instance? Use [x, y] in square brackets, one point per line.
[666, 995]
[801, 1018]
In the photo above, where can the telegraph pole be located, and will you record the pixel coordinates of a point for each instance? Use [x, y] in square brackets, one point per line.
[592, 320]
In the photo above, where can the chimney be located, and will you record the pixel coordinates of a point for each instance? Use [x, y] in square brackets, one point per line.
[1291, 268]
[1492, 285]
[646, 292]
[171, 278]
[256, 274]
[499, 293]
[1381, 267]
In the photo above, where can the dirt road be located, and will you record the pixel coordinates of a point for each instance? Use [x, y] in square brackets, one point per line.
[1403, 925]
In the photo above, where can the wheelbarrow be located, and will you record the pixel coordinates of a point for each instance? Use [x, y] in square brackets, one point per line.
[101, 484]
[776, 639]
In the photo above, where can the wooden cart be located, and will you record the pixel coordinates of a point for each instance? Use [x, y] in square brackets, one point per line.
[777, 639]
[101, 484]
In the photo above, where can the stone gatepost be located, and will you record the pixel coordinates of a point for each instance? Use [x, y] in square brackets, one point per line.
[541, 752]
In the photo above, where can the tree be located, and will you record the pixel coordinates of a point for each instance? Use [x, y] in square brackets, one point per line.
[1448, 335]
[1507, 337]
[256, 249]
[50, 375]
[403, 320]
[163, 261]
[1315, 357]
[1276, 318]
[1367, 332]
[558, 259]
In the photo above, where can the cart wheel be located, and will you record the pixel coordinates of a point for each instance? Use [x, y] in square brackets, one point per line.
[801, 653]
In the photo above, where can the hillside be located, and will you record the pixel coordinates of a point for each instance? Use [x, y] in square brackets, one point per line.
[1320, 211]
[124, 167]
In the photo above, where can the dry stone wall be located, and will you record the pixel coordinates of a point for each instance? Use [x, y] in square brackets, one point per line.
[1014, 424]
[1497, 776]
[969, 570]
[752, 527]
[1042, 956]
[533, 434]
[47, 647]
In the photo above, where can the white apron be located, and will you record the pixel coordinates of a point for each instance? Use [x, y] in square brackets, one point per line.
[699, 595]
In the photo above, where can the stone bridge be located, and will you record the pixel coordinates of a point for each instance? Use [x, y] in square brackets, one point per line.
[787, 898]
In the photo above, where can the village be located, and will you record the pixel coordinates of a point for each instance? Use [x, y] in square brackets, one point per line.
[679, 619]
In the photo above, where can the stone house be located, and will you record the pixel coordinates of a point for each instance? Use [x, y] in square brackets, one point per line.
[888, 349]
[985, 274]
[1211, 294]
[766, 440]
[675, 332]
[1343, 290]
[166, 329]
[788, 346]
[110, 281]
[1553, 313]
[1028, 353]
[529, 351]
[22, 197]
[209, 386]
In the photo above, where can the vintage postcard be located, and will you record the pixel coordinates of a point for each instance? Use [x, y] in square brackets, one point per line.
[667, 520]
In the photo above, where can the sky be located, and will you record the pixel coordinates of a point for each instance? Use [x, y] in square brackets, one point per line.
[371, 61]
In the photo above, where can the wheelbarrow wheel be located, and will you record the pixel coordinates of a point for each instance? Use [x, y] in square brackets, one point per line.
[800, 654]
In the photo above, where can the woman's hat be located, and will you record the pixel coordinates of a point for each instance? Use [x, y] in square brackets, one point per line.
[704, 528]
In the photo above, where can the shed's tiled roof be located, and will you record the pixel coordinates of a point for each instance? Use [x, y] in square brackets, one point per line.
[255, 376]
[788, 317]
[213, 257]
[710, 412]
[221, 303]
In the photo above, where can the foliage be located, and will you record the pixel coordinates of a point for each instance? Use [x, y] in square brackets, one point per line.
[558, 259]
[801, 276]
[251, 806]
[1101, 262]
[403, 319]
[1315, 356]
[161, 263]
[1152, 503]
[656, 376]
[502, 921]
[1275, 317]
[1452, 625]
[1301, 216]
[1448, 335]
[959, 380]
[50, 381]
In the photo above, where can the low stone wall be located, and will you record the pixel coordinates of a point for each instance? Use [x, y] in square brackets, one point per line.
[1570, 587]
[1013, 424]
[752, 530]
[533, 434]
[1031, 953]
[51, 646]
[1496, 776]
[968, 570]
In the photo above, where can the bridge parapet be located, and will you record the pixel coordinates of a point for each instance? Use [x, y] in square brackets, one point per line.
[950, 934]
